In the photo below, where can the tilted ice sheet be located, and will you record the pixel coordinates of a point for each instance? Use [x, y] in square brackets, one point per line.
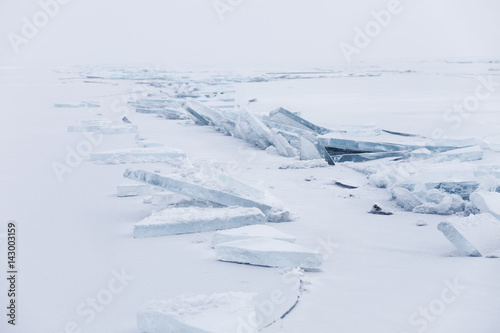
[308, 150]
[208, 190]
[475, 235]
[487, 202]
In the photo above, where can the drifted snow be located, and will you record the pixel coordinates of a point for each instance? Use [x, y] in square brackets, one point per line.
[216, 313]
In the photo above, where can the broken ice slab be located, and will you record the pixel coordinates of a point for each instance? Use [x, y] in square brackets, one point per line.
[268, 252]
[187, 220]
[137, 155]
[308, 150]
[104, 126]
[130, 190]
[405, 199]
[475, 235]
[493, 142]
[197, 117]
[206, 194]
[251, 231]
[363, 157]
[472, 153]
[280, 128]
[288, 118]
[76, 105]
[206, 115]
[216, 313]
[487, 202]
[251, 129]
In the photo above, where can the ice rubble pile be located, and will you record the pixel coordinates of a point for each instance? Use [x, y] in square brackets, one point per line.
[193, 201]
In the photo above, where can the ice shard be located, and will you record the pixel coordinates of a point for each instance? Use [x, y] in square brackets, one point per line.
[308, 150]
[216, 313]
[251, 129]
[186, 220]
[268, 252]
[288, 118]
[137, 155]
[251, 231]
[383, 143]
[205, 114]
[487, 202]
[206, 194]
[475, 235]
[461, 182]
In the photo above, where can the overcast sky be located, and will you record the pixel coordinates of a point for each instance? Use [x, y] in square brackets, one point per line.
[244, 33]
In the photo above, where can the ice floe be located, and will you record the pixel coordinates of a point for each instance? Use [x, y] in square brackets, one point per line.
[268, 252]
[174, 221]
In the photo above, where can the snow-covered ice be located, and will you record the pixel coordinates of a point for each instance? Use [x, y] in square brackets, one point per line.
[268, 252]
[475, 235]
[487, 202]
[308, 150]
[251, 231]
[185, 220]
[215, 313]
[405, 199]
[206, 194]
